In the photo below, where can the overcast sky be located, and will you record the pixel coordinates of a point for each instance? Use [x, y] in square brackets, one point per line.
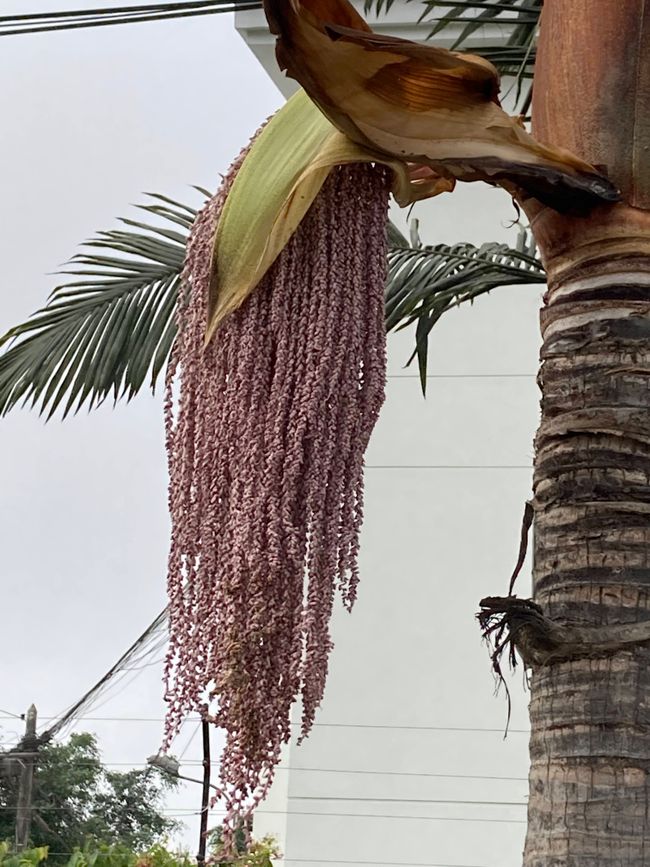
[90, 119]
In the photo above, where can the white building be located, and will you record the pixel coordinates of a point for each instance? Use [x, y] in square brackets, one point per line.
[407, 764]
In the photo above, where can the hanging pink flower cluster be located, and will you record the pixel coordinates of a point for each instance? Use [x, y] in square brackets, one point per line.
[266, 447]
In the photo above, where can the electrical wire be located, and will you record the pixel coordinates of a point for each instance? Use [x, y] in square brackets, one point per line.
[413, 728]
[8, 713]
[449, 466]
[146, 644]
[189, 744]
[335, 798]
[476, 729]
[377, 863]
[292, 768]
[49, 808]
[462, 376]
[336, 861]
[383, 816]
[43, 22]
[238, 861]
[408, 801]
[144, 665]
[401, 774]
[189, 812]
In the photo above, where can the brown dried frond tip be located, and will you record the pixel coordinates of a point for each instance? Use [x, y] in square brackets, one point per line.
[423, 104]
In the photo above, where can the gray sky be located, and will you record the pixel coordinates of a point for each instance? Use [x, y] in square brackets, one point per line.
[90, 120]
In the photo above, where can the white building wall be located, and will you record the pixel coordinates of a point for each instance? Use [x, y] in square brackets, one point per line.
[407, 764]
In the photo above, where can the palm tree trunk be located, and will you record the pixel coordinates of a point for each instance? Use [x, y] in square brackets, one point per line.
[590, 717]
[589, 803]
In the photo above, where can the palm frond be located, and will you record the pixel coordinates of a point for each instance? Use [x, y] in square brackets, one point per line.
[424, 282]
[109, 329]
[43, 22]
[379, 7]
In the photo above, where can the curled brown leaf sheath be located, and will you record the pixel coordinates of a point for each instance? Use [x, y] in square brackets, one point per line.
[423, 104]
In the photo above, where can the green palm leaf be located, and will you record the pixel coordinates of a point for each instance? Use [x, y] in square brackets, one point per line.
[378, 6]
[424, 282]
[110, 330]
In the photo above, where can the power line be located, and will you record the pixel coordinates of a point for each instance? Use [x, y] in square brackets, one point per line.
[449, 466]
[189, 744]
[238, 861]
[189, 812]
[146, 664]
[316, 725]
[334, 861]
[408, 800]
[137, 652]
[413, 728]
[8, 713]
[464, 777]
[383, 816]
[43, 22]
[122, 681]
[402, 774]
[347, 771]
[378, 863]
[462, 376]
[48, 808]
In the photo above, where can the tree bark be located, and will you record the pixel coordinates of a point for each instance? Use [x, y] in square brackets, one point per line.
[589, 802]
[590, 717]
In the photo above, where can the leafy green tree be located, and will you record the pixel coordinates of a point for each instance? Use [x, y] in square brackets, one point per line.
[93, 854]
[256, 853]
[126, 809]
[28, 858]
[77, 799]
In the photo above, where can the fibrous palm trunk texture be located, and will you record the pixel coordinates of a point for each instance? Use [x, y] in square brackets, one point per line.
[589, 803]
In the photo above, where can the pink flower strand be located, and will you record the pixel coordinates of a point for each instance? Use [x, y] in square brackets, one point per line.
[265, 450]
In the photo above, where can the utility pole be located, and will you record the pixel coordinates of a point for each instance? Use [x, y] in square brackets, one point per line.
[171, 766]
[205, 800]
[29, 746]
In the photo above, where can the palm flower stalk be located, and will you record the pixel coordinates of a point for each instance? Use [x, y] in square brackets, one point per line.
[266, 473]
